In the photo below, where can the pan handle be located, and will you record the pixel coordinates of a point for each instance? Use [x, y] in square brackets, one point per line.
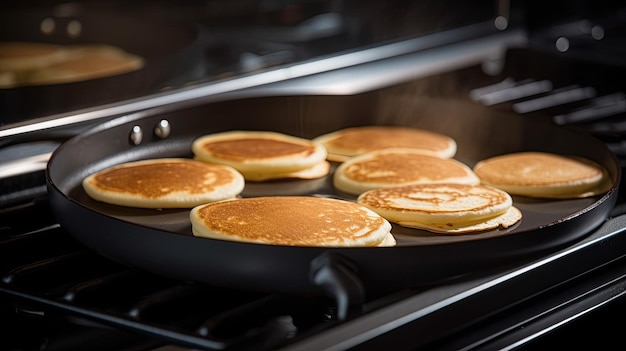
[336, 276]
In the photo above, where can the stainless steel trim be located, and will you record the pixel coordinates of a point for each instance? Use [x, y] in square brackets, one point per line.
[23, 166]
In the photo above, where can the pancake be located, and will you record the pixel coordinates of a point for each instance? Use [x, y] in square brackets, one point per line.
[543, 175]
[29, 63]
[398, 167]
[355, 141]
[87, 62]
[164, 183]
[17, 59]
[20, 56]
[292, 221]
[444, 208]
[262, 155]
[503, 221]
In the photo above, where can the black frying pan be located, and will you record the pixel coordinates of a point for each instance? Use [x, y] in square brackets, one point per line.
[171, 52]
[161, 240]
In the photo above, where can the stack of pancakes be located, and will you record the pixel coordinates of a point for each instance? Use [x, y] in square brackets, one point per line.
[444, 208]
[262, 155]
[164, 183]
[543, 175]
[292, 221]
[29, 63]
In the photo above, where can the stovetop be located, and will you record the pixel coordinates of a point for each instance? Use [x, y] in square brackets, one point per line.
[59, 295]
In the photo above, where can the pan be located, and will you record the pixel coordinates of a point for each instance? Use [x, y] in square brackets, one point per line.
[161, 241]
[174, 57]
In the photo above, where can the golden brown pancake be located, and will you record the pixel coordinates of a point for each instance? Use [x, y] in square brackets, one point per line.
[87, 62]
[539, 174]
[262, 155]
[444, 208]
[28, 63]
[350, 142]
[18, 59]
[19, 56]
[164, 183]
[398, 167]
[292, 221]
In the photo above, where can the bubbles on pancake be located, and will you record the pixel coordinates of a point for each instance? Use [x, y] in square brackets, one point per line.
[291, 220]
[444, 208]
[398, 167]
[164, 183]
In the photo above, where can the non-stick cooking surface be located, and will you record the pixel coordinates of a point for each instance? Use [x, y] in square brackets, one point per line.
[161, 240]
[536, 212]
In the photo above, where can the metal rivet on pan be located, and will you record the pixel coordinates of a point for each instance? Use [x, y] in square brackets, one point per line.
[597, 32]
[74, 29]
[136, 135]
[163, 129]
[562, 44]
[501, 23]
[47, 26]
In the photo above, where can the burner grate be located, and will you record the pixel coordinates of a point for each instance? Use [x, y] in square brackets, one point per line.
[47, 276]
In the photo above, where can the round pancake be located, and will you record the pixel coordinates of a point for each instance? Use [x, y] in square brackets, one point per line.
[19, 56]
[18, 59]
[350, 142]
[164, 183]
[539, 174]
[87, 62]
[292, 221]
[398, 167]
[262, 155]
[437, 203]
[444, 208]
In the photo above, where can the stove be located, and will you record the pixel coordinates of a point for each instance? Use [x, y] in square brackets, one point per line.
[56, 294]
